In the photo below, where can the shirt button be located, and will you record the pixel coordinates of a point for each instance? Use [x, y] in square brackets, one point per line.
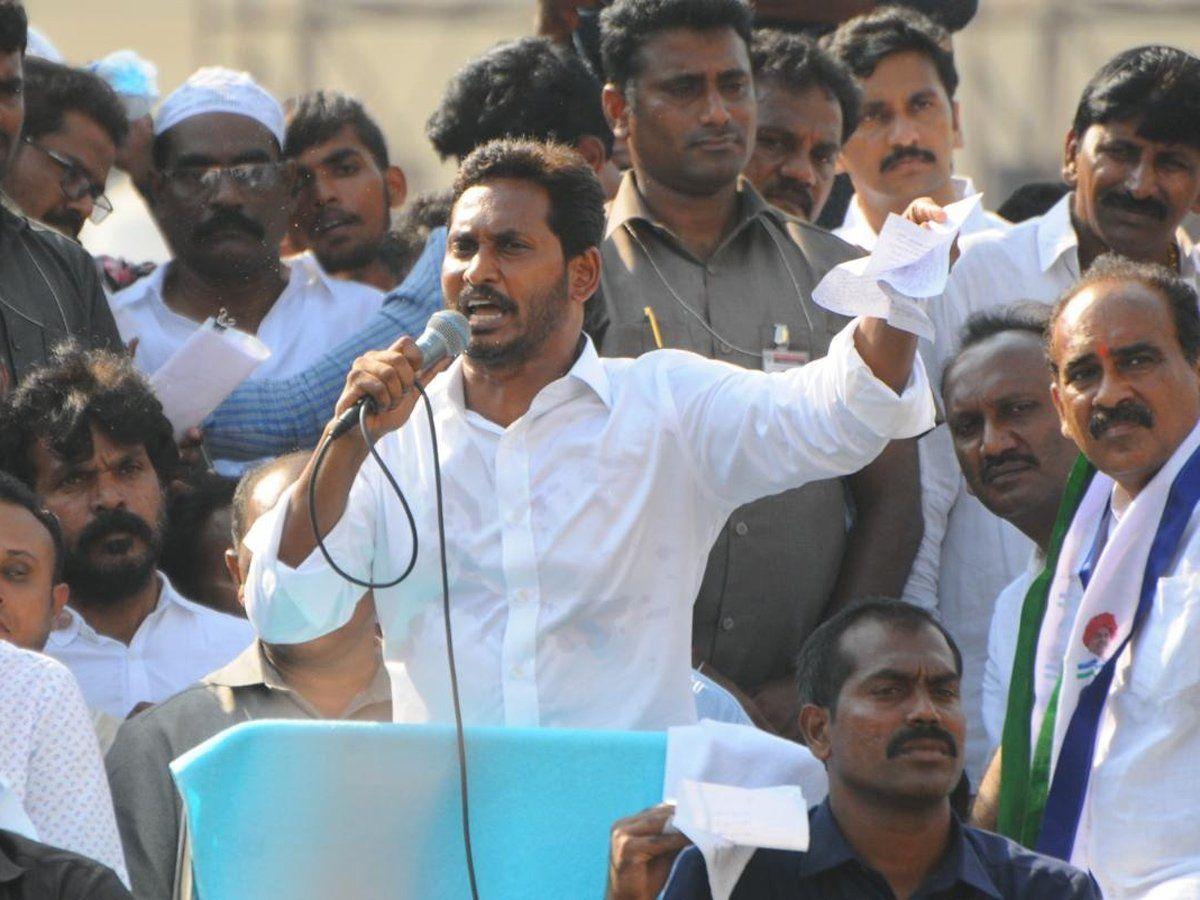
[517, 671]
[741, 529]
[522, 596]
[724, 347]
[727, 623]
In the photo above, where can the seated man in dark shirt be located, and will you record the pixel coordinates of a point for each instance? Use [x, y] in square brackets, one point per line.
[33, 871]
[880, 706]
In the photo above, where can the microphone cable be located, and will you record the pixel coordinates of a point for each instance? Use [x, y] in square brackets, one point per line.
[364, 408]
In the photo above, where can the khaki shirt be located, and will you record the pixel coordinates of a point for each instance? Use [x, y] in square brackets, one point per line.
[149, 809]
[772, 570]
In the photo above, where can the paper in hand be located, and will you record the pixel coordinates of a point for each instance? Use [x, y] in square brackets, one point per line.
[909, 263]
[204, 371]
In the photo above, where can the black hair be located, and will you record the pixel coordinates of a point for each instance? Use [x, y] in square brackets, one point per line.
[823, 667]
[1179, 294]
[527, 88]
[628, 25]
[188, 511]
[14, 493]
[1033, 199]
[865, 41]
[576, 198]
[60, 400]
[14, 27]
[1157, 85]
[239, 513]
[316, 117]
[1028, 316]
[797, 63]
[52, 90]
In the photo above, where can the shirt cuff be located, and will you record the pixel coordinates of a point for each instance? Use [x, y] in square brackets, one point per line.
[875, 404]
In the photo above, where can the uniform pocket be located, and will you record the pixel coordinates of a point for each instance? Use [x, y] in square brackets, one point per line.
[1166, 655]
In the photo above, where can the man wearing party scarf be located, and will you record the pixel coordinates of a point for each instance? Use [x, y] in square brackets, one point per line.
[1102, 738]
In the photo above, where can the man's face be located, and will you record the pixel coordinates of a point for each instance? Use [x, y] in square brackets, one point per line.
[796, 147]
[504, 270]
[1124, 391]
[113, 515]
[690, 113]
[898, 730]
[342, 213]
[12, 106]
[29, 597]
[1130, 192]
[1006, 433]
[78, 155]
[228, 225]
[903, 146]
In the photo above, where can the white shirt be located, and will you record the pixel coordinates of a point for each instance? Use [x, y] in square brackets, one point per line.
[716, 703]
[967, 555]
[1002, 648]
[313, 313]
[577, 536]
[855, 229]
[50, 761]
[177, 644]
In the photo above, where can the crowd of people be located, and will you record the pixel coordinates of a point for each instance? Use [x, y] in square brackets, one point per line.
[958, 570]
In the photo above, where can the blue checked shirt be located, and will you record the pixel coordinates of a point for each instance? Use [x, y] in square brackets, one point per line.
[274, 416]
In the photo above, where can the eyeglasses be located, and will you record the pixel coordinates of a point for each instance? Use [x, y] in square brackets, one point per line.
[202, 181]
[77, 184]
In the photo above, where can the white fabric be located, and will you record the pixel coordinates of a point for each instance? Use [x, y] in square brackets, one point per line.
[1139, 833]
[177, 644]
[216, 89]
[855, 229]
[38, 44]
[1002, 648]
[50, 760]
[313, 313]
[12, 814]
[716, 703]
[719, 753]
[578, 536]
[967, 555]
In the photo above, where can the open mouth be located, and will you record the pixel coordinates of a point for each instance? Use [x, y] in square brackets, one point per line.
[115, 544]
[328, 225]
[484, 313]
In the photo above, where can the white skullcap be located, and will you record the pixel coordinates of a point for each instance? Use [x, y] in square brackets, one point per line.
[215, 89]
[37, 44]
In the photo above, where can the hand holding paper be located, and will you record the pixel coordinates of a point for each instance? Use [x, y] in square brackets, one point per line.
[910, 263]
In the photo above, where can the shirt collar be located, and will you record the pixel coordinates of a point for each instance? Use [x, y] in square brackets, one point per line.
[856, 217]
[828, 849]
[70, 625]
[630, 204]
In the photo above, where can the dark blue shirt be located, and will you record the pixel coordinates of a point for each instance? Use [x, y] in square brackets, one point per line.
[978, 864]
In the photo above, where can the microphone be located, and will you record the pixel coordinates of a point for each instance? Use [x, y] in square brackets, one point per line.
[446, 334]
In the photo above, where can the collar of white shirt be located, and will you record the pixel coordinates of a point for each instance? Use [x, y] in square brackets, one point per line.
[855, 228]
[71, 626]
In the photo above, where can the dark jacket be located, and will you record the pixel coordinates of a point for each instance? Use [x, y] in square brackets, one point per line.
[49, 291]
[33, 871]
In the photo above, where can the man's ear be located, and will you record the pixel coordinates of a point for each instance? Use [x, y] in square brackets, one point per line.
[583, 275]
[591, 148]
[616, 110]
[956, 124]
[231, 566]
[1057, 400]
[59, 595]
[397, 186]
[814, 726]
[1070, 152]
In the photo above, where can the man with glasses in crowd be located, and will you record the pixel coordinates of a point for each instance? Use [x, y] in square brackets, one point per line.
[224, 197]
[74, 124]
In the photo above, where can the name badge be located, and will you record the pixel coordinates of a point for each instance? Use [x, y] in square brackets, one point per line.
[776, 360]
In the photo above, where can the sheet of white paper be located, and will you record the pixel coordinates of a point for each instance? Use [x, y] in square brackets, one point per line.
[909, 264]
[204, 371]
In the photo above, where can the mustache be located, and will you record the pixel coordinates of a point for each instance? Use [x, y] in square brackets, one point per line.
[484, 294]
[900, 154]
[987, 471]
[114, 521]
[709, 134]
[928, 733]
[1130, 411]
[796, 191]
[224, 220]
[1146, 206]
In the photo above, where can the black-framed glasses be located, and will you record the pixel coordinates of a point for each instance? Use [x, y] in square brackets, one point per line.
[77, 184]
[194, 182]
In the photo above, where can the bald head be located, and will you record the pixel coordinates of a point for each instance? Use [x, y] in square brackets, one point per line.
[256, 493]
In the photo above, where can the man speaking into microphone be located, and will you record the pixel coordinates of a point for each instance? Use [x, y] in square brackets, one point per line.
[581, 494]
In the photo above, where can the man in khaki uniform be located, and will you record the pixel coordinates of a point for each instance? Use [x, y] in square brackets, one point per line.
[695, 259]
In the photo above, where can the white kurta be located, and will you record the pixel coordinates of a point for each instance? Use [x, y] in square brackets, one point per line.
[578, 536]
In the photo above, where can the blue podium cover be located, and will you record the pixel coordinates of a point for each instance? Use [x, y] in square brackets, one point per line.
[329, 810]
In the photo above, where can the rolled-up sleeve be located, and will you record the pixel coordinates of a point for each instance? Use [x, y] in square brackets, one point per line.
[290, 605]
[751, 434]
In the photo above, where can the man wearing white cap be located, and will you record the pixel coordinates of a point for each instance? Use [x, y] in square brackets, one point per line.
[224, 197]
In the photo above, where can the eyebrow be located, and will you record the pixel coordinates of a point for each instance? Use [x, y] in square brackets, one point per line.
[339, 155]
[11, 552]
[1119, 352]
[195, 160]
